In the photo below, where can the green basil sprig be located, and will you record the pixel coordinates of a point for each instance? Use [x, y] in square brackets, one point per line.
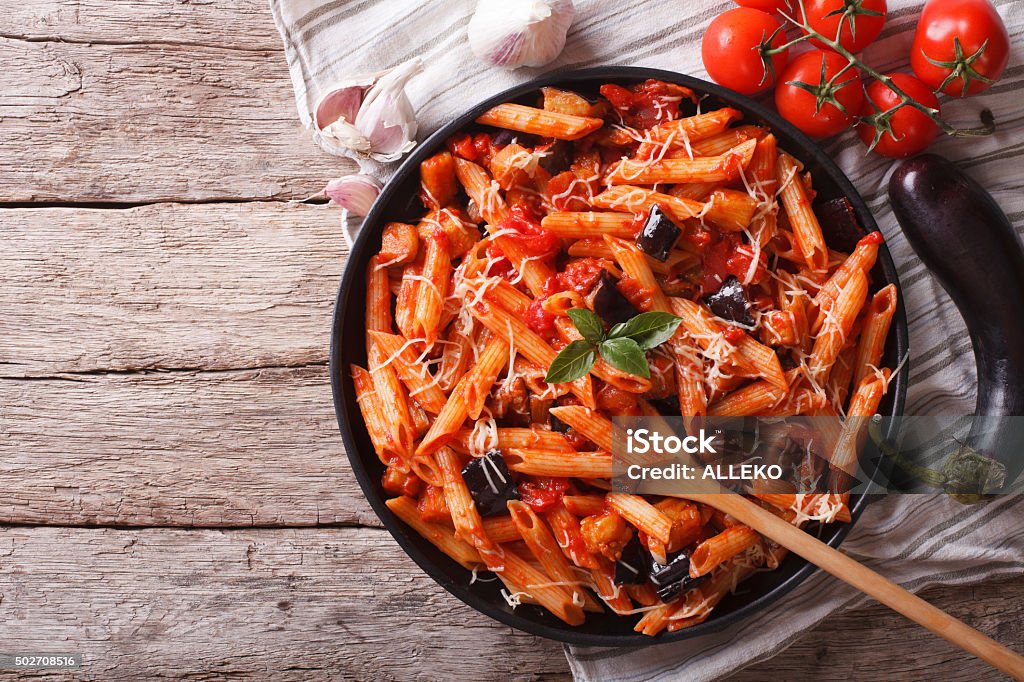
[622, 347]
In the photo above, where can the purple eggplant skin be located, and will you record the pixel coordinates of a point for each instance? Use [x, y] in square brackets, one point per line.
[965, 239]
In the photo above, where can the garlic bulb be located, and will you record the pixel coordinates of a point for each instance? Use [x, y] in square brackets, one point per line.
[371, 116]
[513, 33]
[354, 193]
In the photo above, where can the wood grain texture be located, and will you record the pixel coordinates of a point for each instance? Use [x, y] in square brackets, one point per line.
[210, 449]
[163, 365]
[261, 604]
[211, 286]
[229, 24]
[147, 123]
[871, 642]
[347, 603]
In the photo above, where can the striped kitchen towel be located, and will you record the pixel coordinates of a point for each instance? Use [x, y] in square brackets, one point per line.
[915, 540]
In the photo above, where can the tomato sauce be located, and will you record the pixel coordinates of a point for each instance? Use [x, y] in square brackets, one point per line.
[873, 238]
[640, 296]
[734, 335]
[542, 493]
[646, 105]
[568, 192]
[581, 275]
[730, 256]
[731, 167]
[529, 235]
[617, 402]
[461, 145]
[540, 320]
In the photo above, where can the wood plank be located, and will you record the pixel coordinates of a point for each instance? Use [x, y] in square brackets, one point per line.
[212, 286]
[255, 604]
[871, 642]
[233, 24]
[146, 123]
[301, 603]
[230, 448]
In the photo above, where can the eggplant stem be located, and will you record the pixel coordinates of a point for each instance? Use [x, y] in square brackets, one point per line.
[931, 478]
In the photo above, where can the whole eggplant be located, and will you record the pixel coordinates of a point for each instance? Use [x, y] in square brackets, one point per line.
[965, 239]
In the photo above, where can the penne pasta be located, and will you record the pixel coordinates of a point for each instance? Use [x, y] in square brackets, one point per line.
[466, 394]
[414, 374]
[440, 536]
[724, 168]
[543, 546]
[571, 225]
[878, 318]
[641, 514]
[516, 333]
[837, 326]
[557, 463]
[540, 122]
[470, 303]
[392, 401]
[714, 551]
[591, 425]
[806, 230]
[638, 199]
[433, 288]
[378, 297]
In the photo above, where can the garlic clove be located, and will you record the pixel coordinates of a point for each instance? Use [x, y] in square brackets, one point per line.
[343, 134]
[354, 193]
[386, 117]
[341, 103]
[514, 33]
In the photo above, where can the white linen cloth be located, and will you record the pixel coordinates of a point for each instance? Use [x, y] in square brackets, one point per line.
[914, 540]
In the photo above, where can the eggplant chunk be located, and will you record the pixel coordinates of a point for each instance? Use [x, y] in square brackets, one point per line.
[634, 564]
[965, 239]
[839, 223]
[673, 578]
[490, 483]
[558, 158]
[658, 236]
[609, 303]
[667, 407]
[730, 303]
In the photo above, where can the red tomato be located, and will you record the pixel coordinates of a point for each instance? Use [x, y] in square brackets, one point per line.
[542, 493]
[731, 50]
[912, 131]
[770, 6]
[968, 40]
[815, 114]
[862, 20]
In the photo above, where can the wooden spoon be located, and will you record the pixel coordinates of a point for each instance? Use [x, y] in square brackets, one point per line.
[864, 579]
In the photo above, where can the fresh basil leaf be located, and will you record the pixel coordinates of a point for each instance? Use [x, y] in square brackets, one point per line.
[587, 323]
[626, 354]
[647, 329]
[571, 363]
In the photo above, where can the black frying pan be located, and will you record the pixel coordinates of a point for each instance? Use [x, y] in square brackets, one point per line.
[399, 202]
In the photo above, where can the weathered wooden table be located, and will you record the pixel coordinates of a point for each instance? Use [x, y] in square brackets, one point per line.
[174, 497]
